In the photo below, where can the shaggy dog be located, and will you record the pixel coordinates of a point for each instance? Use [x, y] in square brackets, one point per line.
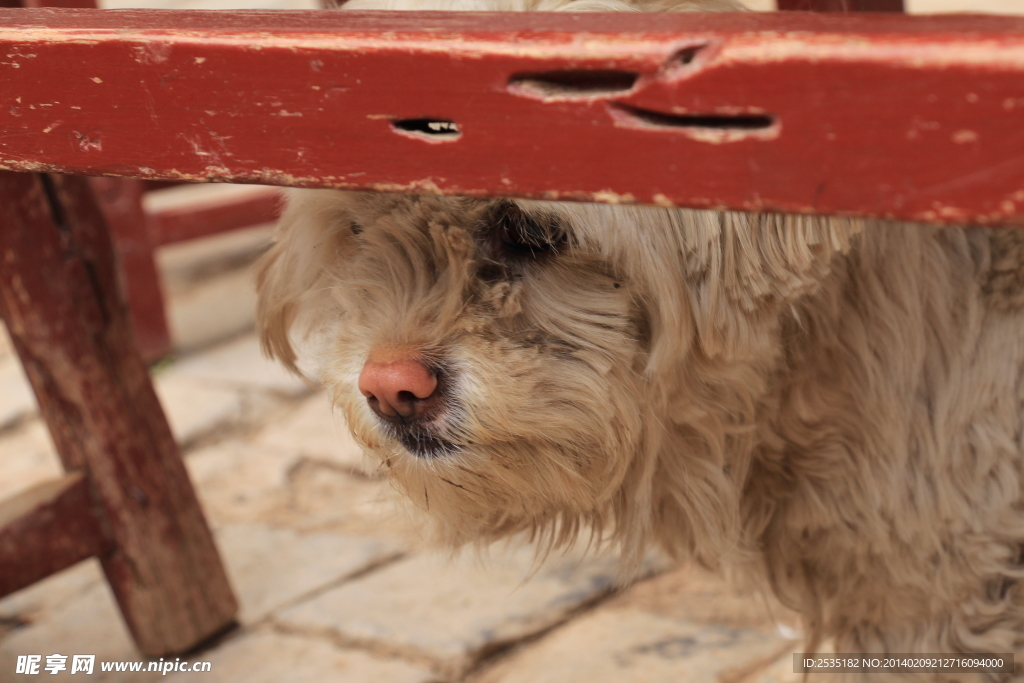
[834, 404]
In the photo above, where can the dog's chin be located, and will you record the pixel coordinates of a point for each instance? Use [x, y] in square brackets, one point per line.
[424, 444]
[427, 439]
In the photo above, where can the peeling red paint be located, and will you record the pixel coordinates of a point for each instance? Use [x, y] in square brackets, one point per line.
[916, 118]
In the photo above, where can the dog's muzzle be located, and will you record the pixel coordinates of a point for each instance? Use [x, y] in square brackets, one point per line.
[407, 396]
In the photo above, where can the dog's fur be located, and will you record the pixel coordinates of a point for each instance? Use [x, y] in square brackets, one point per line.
[836, 404]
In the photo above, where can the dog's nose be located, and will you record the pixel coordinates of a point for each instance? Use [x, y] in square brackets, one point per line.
[398, 389]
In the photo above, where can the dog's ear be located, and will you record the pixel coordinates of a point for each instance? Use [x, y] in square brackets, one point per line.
[310, 237]
[743, 268]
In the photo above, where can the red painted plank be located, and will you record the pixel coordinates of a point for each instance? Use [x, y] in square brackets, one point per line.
[204, 218]
[48, 528]
[842, 5]
[80, 4]
[907, 117]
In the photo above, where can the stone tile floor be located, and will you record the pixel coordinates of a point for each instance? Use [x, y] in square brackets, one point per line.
[333, 583]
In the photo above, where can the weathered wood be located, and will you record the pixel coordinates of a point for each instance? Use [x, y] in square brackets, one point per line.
[135, 240]
[842, 5]
[60, 300]
[907, 117]
[209, 217]
[48, 528]
[121, 201]
[79, 4]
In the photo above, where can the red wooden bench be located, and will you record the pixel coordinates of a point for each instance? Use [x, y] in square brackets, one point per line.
[137, 234]
[914, 118]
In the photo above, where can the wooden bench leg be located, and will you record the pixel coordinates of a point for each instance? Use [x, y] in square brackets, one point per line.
[60, 299]
[121, 202]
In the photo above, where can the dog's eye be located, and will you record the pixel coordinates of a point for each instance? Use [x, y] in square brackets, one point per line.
[516, 234]
[355, 227]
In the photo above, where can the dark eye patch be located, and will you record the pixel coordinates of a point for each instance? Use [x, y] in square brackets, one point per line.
[516, 234]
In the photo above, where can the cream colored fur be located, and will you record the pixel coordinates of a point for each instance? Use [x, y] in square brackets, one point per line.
[835, 406]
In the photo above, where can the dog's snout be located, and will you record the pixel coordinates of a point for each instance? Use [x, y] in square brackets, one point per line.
[398, 389]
